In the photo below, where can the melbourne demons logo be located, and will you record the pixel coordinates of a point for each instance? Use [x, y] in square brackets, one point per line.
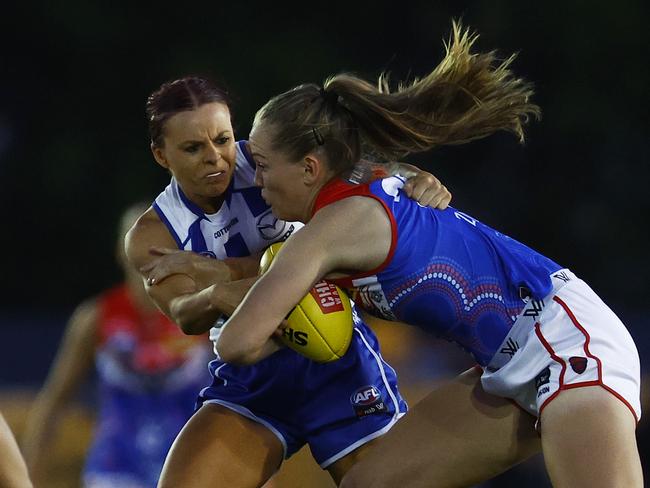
[269, 226]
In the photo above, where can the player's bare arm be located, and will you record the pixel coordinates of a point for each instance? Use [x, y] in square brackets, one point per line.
[424, 187]
[420, 185]
[321, 247]
[13, 471]
[205, 271]
[73, 362]
[178, 296]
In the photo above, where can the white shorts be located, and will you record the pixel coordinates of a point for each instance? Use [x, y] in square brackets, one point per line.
[570, 339]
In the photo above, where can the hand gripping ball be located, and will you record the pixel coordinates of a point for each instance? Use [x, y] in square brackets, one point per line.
[320, 326]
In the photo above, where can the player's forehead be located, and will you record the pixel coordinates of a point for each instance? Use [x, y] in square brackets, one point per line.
[209, 119]
[261, 141]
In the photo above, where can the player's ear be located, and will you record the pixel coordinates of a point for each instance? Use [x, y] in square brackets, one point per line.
[159, 155]
[312, 169]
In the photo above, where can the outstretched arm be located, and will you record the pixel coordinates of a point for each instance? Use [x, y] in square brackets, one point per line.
[328, 242]
[13, 472]
[73, 362]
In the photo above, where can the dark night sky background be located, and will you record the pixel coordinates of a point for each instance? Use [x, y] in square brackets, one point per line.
[74, 148]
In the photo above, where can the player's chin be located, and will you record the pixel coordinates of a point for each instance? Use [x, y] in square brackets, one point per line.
[282, 214]
[217, 188]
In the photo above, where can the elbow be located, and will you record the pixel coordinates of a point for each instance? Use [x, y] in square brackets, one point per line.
[189, 325]
[238, 360]
[190, 329]
[238, 354]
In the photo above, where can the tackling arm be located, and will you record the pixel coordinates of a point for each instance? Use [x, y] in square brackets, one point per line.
[183, 282]
[420, 185]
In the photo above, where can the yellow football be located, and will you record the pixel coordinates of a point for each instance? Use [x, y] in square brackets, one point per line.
[320, 327]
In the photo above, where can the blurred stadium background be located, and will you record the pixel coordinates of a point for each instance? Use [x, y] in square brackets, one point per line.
[74, 153]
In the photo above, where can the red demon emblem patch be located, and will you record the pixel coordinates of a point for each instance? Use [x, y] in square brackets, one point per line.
[578, 364]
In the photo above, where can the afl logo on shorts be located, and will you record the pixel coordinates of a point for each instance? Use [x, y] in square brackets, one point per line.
[269, 226]
[208, 254]
[367, 400]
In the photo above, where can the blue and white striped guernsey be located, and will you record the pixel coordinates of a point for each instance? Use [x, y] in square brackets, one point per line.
[243, 225]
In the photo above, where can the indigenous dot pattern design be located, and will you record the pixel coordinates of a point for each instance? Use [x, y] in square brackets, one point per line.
[469, 301]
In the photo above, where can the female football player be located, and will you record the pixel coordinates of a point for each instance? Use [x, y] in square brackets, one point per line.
[251, 417]
[148, 374]
[543, 339]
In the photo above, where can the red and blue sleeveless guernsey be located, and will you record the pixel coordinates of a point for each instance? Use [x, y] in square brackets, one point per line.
[446, 272]
[148, 374]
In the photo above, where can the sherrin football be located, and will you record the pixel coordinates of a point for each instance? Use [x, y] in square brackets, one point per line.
[320, 326]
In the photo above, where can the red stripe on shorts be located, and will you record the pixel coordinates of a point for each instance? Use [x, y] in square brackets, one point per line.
[585, 333]
[588, 353]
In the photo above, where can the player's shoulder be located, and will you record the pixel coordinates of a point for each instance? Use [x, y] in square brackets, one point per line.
[85, 317]
[147, 231]
[244, 174]
[147, 223]
[349, 208]
[244, 156]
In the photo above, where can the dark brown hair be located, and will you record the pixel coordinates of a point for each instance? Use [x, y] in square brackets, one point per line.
[188, 93]
[466, 97]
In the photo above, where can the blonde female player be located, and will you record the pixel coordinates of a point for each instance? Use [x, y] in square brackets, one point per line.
[542, 337]
[250, 417]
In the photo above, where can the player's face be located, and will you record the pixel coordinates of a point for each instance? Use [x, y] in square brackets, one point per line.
[281, 180]
[199, 150]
